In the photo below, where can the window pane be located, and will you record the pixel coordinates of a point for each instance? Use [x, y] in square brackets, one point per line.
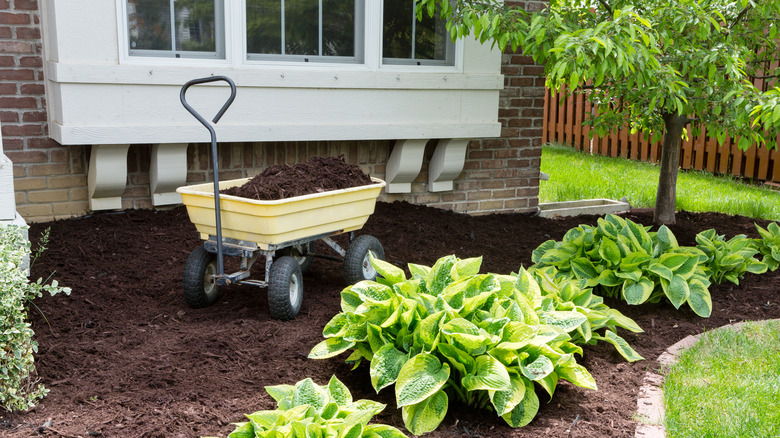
[338, 28]
[264, 26]
[195, 25]
[431, 38]
[301, 27]
[149, 24]
[397, 29]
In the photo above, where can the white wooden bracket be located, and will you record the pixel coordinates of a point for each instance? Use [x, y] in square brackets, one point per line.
[107, 176]
[447, 163]
[167, 172]
[404, 165]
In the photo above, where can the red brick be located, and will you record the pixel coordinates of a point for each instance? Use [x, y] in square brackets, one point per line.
[8, 89]
[522, 82]
[33, 89]
[19, 74]
[31, 61]
[28, 33]
[16, 47]
[5, 4]
[34, 116]
[533, 70]
[9, 117]
[5, 32]
[16, 144]
[519, 123]
[42, 143]
[18, 102]
[21, 130]
[11, 18]
[29, 5]
[26, 156]
[7, 61]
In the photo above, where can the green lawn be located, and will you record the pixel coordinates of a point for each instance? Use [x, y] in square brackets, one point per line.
[577, 175]
[727, 385]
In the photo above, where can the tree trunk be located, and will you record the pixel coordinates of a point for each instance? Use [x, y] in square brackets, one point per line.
[670, 162]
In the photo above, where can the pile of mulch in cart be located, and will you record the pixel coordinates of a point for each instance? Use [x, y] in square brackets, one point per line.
[319, 174]
[124, 356]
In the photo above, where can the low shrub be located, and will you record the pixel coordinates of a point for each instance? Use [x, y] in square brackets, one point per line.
[313, 411]
[19, 389]
[620, 258]
[769, 245]
[729, 260]
[450, 332]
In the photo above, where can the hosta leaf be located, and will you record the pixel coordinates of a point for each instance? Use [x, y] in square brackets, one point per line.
[278, 392]
[330, 410]
[339, 392]
[765, 234]
[419, 270]
[541, 250]
[528, 286]
[549, 383]
[353, 431]
[678, 291]
[556, 257]
[309, 393]
[583, 269]
[337, 326]
[672, 261]
[633, 275]
[640, 235]
[372, 291]
[661, 271]
[731, 261]
[566, 321]
[466, 267]
[376, 339]
[243, 430]
[576, 374]
[386, 365]
[620, 320]
[609, 279]
[526, 410]
[420, 378]
[489, 374]
[466, 335]
[440, 277]
[350, 301]
[637, 292]
[634, 260]
[462, 361]
[539, 368]
[666, 238]
[687, 269]
[506, 400]
[517, 335]
[264, 419]
[387, 270]
[329, 348]
[622, 346]
[699, 298]
[428, 330]
[609, 251]
[755, 267]
[425, 416]
[382, 431]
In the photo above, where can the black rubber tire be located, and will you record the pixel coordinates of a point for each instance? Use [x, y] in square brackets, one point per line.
[199, 292]
[285, 288]
[357, 265]
[296, 251]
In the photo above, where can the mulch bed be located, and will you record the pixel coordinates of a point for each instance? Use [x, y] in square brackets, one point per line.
[125, 357]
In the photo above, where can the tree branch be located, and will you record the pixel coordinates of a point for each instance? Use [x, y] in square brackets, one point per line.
[739, 17]
[607, 6]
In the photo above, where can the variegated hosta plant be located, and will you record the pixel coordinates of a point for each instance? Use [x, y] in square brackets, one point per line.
[620, 258]
[769, 244]
[562, 294]
[729, 259]
[451, 332]
[308, 410]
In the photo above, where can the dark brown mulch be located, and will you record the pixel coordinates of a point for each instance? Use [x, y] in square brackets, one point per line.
[125, 357]
[319, 174]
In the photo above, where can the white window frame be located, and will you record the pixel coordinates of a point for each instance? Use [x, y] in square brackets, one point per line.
[220, 33]
[450, 49]
[235, 50]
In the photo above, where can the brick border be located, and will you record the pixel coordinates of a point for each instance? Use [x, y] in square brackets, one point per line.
[650, 400]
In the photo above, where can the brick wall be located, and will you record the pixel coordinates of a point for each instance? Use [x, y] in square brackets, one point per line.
[500, 174]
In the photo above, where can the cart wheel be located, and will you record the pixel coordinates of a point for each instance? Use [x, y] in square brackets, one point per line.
[285, 288]
[199, 290]
[296, 251]
[357, 263]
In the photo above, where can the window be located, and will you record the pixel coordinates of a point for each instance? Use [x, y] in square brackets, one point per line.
[405, 40]
[176, 28]
[305, 30]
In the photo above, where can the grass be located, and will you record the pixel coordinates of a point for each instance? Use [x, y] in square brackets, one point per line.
[727, 385]
[577, 175]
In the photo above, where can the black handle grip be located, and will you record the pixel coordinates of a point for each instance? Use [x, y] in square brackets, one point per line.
[224, 108]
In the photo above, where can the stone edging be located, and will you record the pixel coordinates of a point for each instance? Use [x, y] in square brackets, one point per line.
[650, 400]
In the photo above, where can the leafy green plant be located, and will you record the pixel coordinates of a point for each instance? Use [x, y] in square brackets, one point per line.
[623, 259]
[769, 245]
[569, 295]
[450, 332]
[729, 259]
[313, 411]
[19, 390]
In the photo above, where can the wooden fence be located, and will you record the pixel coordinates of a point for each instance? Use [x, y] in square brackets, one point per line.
[563, 125]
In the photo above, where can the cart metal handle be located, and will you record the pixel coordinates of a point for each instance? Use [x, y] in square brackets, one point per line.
[214, 159]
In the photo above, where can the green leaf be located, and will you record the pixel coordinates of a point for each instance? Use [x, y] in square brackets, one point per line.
[672, 261]
[386, 365]
[517, 335]
[466, 336]
[661, 271]
[634, 260]
[419, 270]
[576, 374]
[440, 277]
[622, 346]
[462, 361]
[678, 291]
[566, 321]
[382, 431]
[372, 291]
[609, 279]
[506, 400]
[309, 393]
[420, 378]
[637, 292]
[279, 392]
[621, 320]
[388, 271]
[583, 268]
[699, 298]
[339, 392]
[609, 251]
[264, 419]
[425, 416]
[666, 238]
[466, 267]
[489, 374]
[555, 257]
[329, 348]
[539, 368]
[526, 410]
[337, 326]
